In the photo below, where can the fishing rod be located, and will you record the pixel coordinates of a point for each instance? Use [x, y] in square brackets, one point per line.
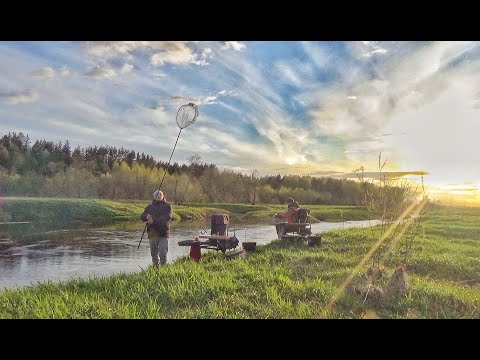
[186, 115]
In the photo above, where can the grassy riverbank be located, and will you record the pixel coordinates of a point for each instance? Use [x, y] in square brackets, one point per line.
[281, 280]
[101, 211]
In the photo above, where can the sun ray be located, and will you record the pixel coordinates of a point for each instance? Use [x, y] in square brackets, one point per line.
[407, 225]
[348, 280]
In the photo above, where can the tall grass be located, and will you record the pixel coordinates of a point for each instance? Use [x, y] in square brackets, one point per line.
[387, 199]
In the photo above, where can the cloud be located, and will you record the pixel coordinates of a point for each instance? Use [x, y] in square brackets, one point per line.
[201, 100]
[159, 52]
[26, 96]
[108, 71]
[206, 100]
[63, 71]
[326, 173]
[178, 100]
[383, 174]
[442, 134]
[318, 55]
[102, 71]
[112, 49]
[413, 77]
[48, 72]
[261, 109]
[227, 147]
[126, 68]
[235, 45]
[160, 108]
[211, 99]
[466, 187]
[203, 58]
[71, 127]
[178, 53]
[227, 93]
[288, 73]
[370, 48]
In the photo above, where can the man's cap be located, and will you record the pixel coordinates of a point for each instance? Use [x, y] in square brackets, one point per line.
[290, 200]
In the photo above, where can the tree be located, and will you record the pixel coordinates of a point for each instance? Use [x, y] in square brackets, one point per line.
[79, 183]
[67, 154]
[252, 184]
[193, 159]
[130, 158]
[4, 156]
[208, 182]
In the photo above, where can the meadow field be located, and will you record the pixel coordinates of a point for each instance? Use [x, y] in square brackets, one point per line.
[100, 211]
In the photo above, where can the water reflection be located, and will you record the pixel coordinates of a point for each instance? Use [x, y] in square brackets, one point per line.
[34, 253]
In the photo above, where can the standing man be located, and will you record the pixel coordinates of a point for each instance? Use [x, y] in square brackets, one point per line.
[158, 215]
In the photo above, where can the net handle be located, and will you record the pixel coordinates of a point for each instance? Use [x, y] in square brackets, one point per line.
[187, 123]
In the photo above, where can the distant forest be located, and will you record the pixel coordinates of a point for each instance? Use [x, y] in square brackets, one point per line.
[46, 169]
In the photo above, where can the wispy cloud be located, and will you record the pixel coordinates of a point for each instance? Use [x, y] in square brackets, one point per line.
[178, 100]
[179, 54]
[235, 45]
[48, 72]
[370, 48]
[126, 68]
[159, 53]
[288, 73]
[108, 71]
[112, 49]
[382, 175]
[71, 127]
[26, 96]
[99, 72]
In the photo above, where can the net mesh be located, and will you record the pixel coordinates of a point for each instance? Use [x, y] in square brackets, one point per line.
[186, 115]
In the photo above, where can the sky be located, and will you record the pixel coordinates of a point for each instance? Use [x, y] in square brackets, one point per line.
[277, 107]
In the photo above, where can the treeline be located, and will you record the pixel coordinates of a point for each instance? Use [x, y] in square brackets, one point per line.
[54, 170]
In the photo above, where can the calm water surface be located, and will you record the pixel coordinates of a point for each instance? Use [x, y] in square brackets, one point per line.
[29, 254]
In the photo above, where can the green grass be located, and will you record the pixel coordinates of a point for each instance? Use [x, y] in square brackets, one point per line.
[279, 280]
[100, 211]
[264, 212]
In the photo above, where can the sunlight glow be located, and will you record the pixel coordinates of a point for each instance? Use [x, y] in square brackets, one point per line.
[290, 160]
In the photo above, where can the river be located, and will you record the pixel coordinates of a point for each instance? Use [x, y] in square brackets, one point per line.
[30, 255]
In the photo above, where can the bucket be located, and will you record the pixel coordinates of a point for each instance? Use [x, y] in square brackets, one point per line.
[249, 245]
[313, 240]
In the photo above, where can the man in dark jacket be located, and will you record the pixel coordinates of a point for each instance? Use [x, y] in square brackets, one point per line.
[158, 215]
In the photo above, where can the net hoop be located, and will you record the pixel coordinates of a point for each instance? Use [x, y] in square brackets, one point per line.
[186, 115]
